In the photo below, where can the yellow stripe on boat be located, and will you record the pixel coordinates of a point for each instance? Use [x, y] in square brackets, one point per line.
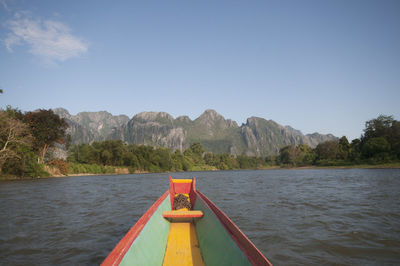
[184, 194]
[182, 246]
[182, 180]
[179, 213]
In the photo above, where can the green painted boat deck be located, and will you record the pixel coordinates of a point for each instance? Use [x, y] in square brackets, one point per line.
[149, 247]
[216, 245]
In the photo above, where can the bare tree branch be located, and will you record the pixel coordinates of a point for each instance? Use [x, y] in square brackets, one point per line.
[12, 133]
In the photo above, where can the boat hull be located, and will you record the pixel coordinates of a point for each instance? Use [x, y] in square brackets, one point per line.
[221, 242]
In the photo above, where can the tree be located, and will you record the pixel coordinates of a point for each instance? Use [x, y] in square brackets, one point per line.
[195, 153]
[209, 159]
[288, 155]
[395, 139]
[227, 161]
[177, 160]
[79, 153]
[12, 133]
[382, 127]
[304, 155]
[144, 154]
[378, 127]
[197, 148]
[300, 155]
[115, 151]
[244, 162]
[327, 150]
[376, 147]
[106, 157]
[47, 128]
[344, 148]
[271, 159]
[355, 150]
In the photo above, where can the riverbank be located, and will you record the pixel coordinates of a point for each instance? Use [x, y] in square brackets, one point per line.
[356, 166]
[54, 172]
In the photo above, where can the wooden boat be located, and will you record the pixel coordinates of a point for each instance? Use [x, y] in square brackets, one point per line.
[201, 235]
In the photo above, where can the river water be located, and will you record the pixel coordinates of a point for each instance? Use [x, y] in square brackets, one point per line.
[295, 217]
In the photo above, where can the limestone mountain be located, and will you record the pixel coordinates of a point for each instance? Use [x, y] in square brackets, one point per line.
[152, 128]
[262, 135]
[258, 137]
[86, 127]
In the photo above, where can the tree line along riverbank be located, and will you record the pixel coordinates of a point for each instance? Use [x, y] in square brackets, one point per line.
[27, 139]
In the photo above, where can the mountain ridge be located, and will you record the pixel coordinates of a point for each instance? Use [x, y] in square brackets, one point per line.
[256, 137]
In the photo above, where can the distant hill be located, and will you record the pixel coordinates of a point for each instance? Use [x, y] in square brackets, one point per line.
[258, 137]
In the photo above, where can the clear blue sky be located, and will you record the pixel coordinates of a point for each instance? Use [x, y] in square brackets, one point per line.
[325, 66]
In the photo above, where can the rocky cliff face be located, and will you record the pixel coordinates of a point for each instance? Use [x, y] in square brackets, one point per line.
[267, 137]
[258, 137]
[152, 128]
[86, 127]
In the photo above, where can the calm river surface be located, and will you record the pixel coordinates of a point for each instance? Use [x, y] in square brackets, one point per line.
[295, 217]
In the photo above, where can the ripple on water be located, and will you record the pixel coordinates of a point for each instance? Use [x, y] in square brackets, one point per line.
[296, 217]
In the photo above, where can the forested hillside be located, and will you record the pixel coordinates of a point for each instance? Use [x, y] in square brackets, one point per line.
[28, 141]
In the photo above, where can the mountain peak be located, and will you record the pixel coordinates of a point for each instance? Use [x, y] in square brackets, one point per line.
[153, 116]
[210, 114]
[183, 119]
[62, 112]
